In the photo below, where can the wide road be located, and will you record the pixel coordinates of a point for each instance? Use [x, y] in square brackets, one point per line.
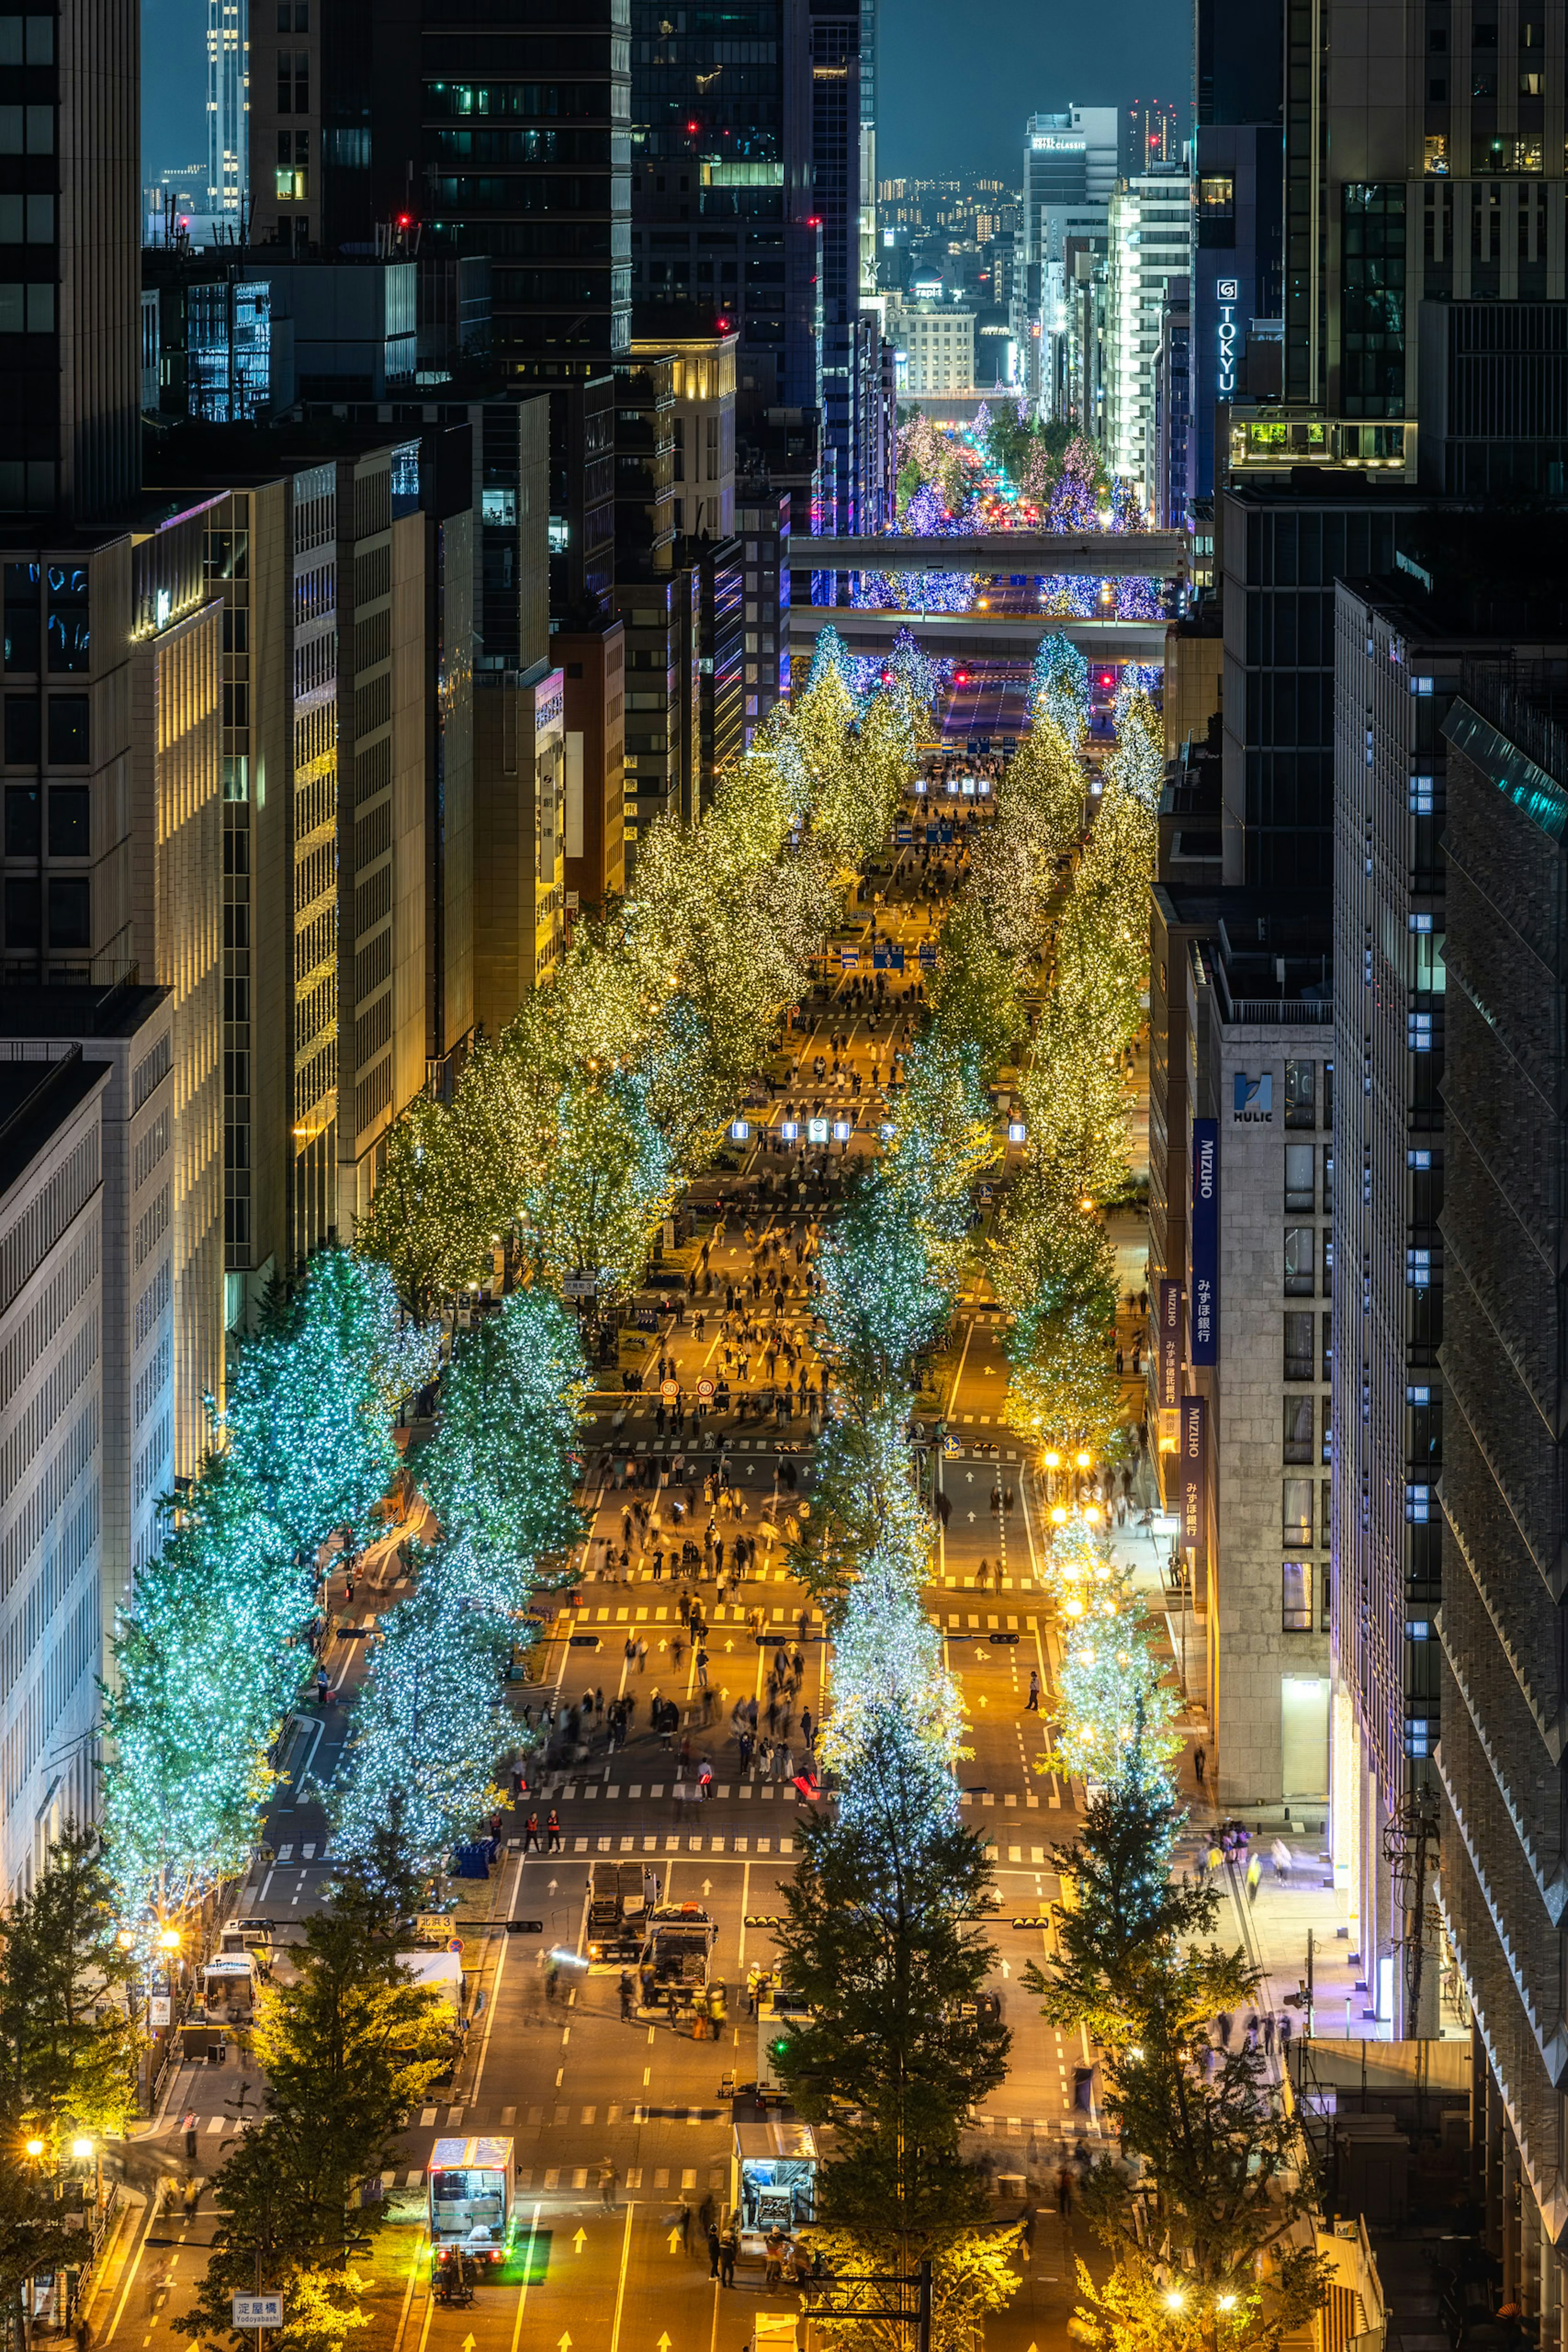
[549, 2059]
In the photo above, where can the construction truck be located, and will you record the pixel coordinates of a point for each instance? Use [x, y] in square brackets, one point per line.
[678, 1940]
[620, 1895]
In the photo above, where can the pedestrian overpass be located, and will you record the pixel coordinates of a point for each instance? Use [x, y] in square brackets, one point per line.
[1092, 555]
[974, 637]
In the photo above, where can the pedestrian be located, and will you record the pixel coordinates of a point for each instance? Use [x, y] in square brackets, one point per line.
[189, 2128]
[1269, 2033]
[672, 2008]
[1224, 2020]
[1286, 2030]
[1199, 1763]
[1031, 1705]
[531, 1833]
[627, 1993]
[607, 2185]
[729, 2249]
[1064, 2191]
[715, 2250]
[552, 1831]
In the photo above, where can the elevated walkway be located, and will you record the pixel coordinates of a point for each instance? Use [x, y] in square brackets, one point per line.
[971, 635]
[1096, 555]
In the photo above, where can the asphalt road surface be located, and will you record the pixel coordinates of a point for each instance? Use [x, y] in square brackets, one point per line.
[621, 2265]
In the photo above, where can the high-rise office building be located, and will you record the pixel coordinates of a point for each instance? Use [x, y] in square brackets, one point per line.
[1239, 171]
[228, 95]
[1070, 165]
[52, 1393]
[1150, 134]
[724, 236]
[1503, 1232]
[1241, 1155]
[511, 142]
[1288, 535]
[1149, 237]
[70, 217]
[1407, 1442]
[1424, 163]
[835, 37]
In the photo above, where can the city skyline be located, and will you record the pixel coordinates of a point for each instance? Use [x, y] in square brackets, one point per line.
[926, 127]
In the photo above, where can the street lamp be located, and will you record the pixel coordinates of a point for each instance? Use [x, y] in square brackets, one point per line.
[169, 1939]
[34, 2147]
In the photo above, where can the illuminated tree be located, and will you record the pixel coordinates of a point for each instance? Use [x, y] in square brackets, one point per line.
[202, 1676]
[349, 2042]
[883, 1297]
[1054, 1270]
[1061, 676]
[1113, 1689]
[496, 1473]
[67, 2044]
[310, 1399]
[430, 1725]
[608, 1186]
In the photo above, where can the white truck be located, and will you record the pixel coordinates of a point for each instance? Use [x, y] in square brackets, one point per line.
[469, 2184]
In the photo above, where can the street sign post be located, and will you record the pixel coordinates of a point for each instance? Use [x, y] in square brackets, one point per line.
[257, 2310]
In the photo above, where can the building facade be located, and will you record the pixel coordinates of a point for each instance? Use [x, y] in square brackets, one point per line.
[51, 1490]
[1500, 1676]
[1240, 1273]
[1149, 243]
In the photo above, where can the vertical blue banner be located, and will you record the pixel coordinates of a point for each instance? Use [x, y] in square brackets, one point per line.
[1194, 1465]
[1205, 1241]
[1170, 1345]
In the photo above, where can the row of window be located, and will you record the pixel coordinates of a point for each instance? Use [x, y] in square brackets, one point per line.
[64, 622]
[1300, 1262]
[1297, 1498]
[71, 820]
[68, 730]
[1307, 1358]
[1297, 1577]
[1301, 1171]
[68, 901]
[1303, 1422]
[26, 310]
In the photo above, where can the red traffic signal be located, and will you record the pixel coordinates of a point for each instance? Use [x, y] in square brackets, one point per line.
[1107, 678]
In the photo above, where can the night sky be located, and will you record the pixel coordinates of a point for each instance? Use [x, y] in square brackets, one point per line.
[173, 84]
[957, 81]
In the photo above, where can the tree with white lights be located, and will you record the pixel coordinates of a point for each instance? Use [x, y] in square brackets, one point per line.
[497, 1471]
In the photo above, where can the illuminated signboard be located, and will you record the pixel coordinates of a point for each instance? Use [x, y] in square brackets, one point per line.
[1228, 290]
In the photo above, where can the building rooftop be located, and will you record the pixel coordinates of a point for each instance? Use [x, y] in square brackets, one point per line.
[77, 1009]
[37, 1099]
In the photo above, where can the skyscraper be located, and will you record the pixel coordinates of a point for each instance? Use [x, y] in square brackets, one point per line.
[1150, 240]
[723, 226]
[228, 99]
[1069, 176]
[70, 212]
[510, 141]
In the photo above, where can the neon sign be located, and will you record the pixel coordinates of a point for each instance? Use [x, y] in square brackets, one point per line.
[1228, 290]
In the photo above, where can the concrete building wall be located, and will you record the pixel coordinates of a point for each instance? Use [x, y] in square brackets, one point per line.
[1268, 1656]
[51, 1453]
[177, 765]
